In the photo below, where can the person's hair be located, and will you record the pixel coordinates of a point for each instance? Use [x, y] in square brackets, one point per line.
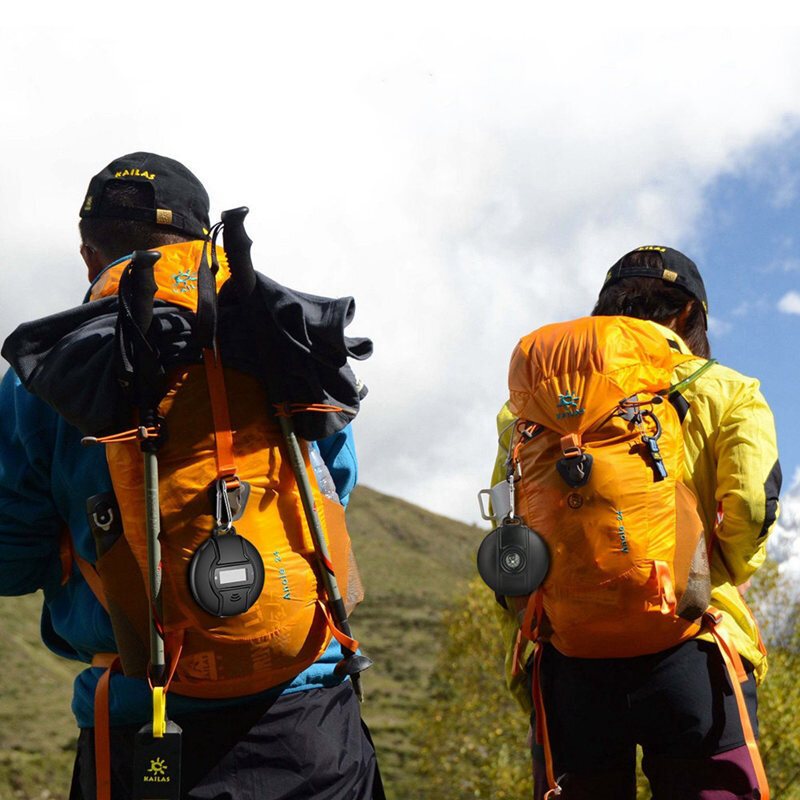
[654, 299]
[115, 238]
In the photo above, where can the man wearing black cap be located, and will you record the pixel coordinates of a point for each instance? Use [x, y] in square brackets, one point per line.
[140, 201]
[303, 739]
[676, 704]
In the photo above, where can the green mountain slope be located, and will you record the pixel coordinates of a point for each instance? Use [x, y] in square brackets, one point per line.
[413, 564]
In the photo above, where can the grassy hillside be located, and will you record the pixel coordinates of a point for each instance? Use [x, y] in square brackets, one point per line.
[413, 564]
[37, 731]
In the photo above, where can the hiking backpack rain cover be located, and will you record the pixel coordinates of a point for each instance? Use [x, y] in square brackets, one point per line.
[600, 458]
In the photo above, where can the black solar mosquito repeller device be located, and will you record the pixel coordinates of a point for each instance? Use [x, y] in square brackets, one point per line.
[513, 559]
[226, 574]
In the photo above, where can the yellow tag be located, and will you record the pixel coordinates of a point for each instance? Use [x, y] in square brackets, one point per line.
[163, 216]
[159, 712]
[669, 275]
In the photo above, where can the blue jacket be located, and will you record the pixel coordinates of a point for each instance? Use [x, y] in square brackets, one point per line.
[45, 478]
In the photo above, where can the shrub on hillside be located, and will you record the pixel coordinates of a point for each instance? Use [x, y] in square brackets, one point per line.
[470, 735]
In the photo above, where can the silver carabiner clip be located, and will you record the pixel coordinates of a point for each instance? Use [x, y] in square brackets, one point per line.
[225, 524]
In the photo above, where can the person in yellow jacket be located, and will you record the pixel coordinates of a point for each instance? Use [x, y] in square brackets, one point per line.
[677, 704]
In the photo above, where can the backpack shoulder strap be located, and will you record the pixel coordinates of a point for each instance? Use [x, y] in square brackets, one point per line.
[69, 556]
[673, 393]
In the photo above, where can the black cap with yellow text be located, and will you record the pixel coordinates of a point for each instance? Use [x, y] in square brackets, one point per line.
[675, 268]
[179, 200]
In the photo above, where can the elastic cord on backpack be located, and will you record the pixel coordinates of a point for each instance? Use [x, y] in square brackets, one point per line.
[288, 409]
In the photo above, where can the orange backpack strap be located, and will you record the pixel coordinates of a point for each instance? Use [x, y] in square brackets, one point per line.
[737, 676]
[542, 736]
[69, 556]
[517, 667]
[346, 641]
[666, 588]
[102, 734]
[529, 627]
[226, 462]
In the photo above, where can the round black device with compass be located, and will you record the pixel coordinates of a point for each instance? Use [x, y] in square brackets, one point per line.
[513, 559]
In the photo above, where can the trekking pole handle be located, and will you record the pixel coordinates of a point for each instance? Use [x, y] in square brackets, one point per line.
[143, 287]
[237, 248]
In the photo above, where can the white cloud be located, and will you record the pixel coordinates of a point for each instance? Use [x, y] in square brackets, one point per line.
[784, 542]
[719, 327]
[790, 303]
[468, 175]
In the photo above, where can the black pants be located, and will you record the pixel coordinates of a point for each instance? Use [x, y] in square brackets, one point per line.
[677, 704]
[309, 745]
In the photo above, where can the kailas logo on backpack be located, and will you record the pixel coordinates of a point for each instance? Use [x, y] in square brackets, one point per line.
[598, 452]
[567, 406]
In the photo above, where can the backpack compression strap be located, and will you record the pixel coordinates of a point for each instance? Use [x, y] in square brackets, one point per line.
[223, 433]
[542, 736]
[102, 734]
[737, 676]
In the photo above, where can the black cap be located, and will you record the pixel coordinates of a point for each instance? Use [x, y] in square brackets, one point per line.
[676, 269]
[179, 200]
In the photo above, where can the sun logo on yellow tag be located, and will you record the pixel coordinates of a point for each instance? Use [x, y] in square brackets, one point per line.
[158, 766]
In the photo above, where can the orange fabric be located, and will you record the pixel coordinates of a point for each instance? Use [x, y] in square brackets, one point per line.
[175, 283]
[282, 633]
[102, 737]
[223, 435]
[611, 590]
[666, 589]
[737, 675]
[104, 660]
[595, 358]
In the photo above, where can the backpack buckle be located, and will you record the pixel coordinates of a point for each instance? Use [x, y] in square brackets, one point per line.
[576, 466]
[571, 446]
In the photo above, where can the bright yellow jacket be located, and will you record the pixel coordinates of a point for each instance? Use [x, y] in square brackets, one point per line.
[731, 460]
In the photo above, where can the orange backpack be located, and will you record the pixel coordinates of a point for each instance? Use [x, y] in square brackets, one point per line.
[288, 627]
[599, 452]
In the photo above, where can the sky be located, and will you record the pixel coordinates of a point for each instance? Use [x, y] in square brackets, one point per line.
[466, 171]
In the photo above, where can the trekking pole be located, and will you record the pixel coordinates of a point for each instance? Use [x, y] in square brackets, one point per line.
[157, 746]
[143, 288]
[237, 248]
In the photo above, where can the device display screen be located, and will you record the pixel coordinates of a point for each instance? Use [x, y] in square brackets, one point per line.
[226, 576]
